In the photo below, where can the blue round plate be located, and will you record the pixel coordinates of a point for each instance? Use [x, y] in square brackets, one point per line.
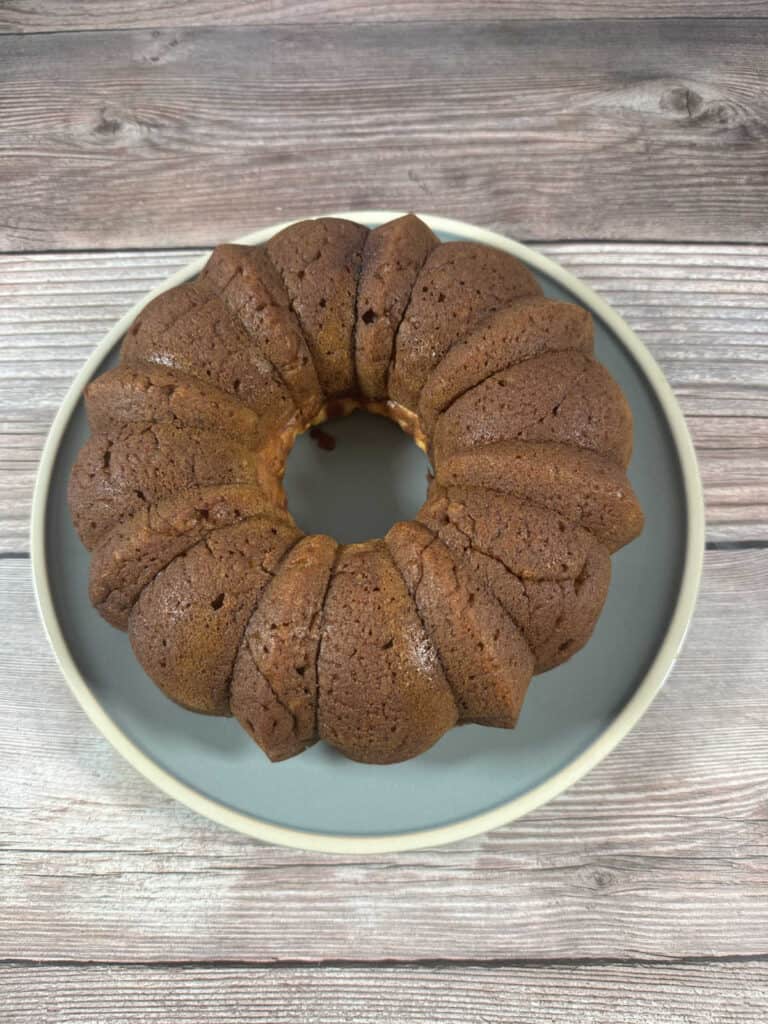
[474, 778]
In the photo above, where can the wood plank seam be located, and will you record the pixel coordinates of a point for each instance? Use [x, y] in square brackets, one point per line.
[389, 963]
[24, 18]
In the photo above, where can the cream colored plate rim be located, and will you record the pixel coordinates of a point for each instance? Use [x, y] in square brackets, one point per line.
[475, 824]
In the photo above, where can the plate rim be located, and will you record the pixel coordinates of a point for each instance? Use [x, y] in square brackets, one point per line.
[620, 726]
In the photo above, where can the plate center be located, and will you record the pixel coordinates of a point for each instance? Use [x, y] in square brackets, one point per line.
[355, 477]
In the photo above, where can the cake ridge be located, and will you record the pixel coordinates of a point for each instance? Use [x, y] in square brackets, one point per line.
[432, 406]
[247, 258]
[199, 680]
[483, 676]
[272, 573]
[403, 240]
[566, 373]
[252, 673]
[495, 278]
[336, 236]
[229, 359]
[412, 589]
[129, 540]
[186, 457]
[530, 584]
[148, 382]
[613, 540]
[321, 632]
[375, 648]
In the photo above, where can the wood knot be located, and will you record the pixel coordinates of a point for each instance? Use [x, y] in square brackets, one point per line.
[161, 48]
[602, 880]
[682, 100]
[715, 112]
[107, 124]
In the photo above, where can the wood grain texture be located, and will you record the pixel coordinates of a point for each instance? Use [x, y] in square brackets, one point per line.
[731, 993]
[660, 852]
[656, 129]
[702, 310]
[89, 15]
[162, 123]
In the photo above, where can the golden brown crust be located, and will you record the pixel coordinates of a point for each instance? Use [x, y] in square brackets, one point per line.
[549, 575]
[274, 683]
[155, 394]
[394, 254]
[319, 262]
[187, 625]
[383, 697]
[565, 397]
[582, 487]
[253, 291]
[526, 328]
[119, 472]
[190, 329]
[129, 557]
[483, 653]
[460, 284]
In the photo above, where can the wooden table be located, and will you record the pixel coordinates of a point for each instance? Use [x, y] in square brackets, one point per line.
[635, 152]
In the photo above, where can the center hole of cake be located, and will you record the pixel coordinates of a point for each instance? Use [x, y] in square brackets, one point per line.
[355, 477]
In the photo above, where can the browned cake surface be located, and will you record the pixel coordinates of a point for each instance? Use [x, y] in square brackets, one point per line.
[483, 653]
[559, 396]
[583, 487]
[550, 576]
[274, 683]
[522, 330]
[154, 394]
[460, 283]
[129, 557]
[253, 290]
[382, 693]
[394, 254]
[377, 647]
[189, 328]
[319, 261]
[117, 473]
[187, 625]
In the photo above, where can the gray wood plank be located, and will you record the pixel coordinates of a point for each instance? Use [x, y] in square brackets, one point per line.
[702, 310]
[654, 129]
[88, 15]
[731, 993]
[660, 852]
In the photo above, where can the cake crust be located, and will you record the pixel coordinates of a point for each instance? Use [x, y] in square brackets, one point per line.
[319, 262]
[129, 557]
[460, 284]
[274, 683]
[550, 576]
[119, 472]
[485, 657]
[393, 256]
[190, 329]
[253, 291]
[187, 625]
[383, 696]
[526, 328]
[561, 397]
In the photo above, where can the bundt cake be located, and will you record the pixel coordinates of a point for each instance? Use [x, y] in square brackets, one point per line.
[376, 648]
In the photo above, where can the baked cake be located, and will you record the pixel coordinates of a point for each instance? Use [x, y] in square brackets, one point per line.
[376, 648]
